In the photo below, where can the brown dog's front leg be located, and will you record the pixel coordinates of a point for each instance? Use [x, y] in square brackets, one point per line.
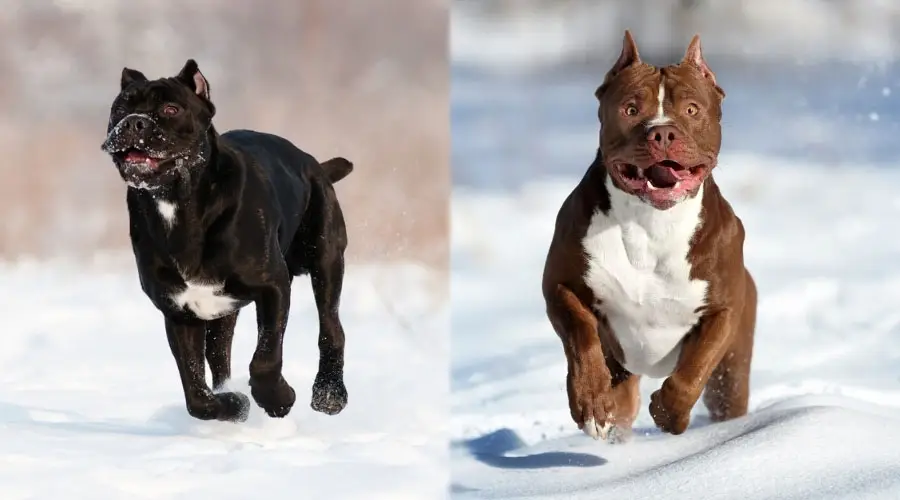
[588, 381]
[701, 352]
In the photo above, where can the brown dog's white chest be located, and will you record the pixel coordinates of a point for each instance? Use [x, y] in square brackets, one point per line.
[639, 271]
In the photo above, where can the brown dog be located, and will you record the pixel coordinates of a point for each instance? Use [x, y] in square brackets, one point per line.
[645, 274]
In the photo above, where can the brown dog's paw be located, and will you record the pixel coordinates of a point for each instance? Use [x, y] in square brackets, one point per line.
[668, 413]
[598, 430]
[591, 405]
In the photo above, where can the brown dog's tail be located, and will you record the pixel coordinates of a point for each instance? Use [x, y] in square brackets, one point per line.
[337, 168]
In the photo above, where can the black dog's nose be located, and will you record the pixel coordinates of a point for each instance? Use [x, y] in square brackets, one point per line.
[135, 122]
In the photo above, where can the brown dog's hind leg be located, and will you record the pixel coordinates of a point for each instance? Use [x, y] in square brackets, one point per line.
[627, 396]
[727, 393]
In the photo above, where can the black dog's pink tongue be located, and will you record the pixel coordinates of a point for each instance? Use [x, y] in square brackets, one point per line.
[141, 157]
[136, 157]
[661, 176]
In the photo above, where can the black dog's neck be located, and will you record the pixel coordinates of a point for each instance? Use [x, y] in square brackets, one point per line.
[178, 216]
[181, 207]
[192, 178]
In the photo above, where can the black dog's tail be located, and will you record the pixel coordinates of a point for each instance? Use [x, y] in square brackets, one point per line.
[337, 168]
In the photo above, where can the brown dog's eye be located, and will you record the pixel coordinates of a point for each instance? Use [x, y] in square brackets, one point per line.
[631, 110]
[170, 110]
[692, 110]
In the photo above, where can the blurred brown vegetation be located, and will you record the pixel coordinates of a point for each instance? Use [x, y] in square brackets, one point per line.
[361, 79]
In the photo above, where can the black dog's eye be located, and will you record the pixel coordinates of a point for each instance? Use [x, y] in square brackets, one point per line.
[170, 110]
[119, 110]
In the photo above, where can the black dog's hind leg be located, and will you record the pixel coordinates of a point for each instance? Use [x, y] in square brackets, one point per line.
[319, 250]
[329, 395]
[219, 336]
[187, 340]
[267, 385]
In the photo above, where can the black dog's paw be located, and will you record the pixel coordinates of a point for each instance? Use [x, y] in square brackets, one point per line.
[235, 406]
[276, 398]
[329, 395]
[225, 406]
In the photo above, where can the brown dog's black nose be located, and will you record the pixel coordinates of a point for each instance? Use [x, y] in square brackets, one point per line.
[663, 135]
[136, 123]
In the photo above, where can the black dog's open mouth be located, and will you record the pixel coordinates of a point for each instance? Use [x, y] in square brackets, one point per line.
[667, 174]
[134, 157]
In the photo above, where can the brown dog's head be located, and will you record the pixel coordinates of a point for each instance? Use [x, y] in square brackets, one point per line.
[660, 126]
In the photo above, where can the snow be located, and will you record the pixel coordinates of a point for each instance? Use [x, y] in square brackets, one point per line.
[91, 404]
[825, 418]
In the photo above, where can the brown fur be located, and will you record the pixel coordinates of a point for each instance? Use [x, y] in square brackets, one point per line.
[716, 352]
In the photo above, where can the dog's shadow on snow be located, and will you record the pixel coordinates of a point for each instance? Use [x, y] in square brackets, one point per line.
[491, 449]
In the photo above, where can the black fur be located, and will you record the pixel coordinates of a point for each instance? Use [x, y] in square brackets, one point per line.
[251, 211]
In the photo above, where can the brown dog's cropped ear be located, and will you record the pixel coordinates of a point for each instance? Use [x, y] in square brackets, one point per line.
[130, 76]
[192, 77]
[694, 56]
[628, 57]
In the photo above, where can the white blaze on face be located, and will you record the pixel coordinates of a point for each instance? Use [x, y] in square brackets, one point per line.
[660, 118]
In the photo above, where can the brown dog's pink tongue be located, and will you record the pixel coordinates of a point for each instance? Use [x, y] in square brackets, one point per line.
[660, 176]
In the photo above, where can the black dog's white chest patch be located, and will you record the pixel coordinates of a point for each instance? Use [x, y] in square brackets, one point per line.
[167, 210]
[205, 300]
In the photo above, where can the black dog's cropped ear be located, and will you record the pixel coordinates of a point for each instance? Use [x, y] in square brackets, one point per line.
[130, 76]
[192, 77]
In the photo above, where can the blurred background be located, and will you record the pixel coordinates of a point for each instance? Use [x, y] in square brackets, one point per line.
[809, 163]
[794, 65]
[333, 79]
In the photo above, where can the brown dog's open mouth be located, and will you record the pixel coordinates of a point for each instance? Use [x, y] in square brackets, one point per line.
[664, 175]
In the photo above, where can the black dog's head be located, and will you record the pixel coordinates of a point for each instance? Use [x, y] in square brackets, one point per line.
[160, 129]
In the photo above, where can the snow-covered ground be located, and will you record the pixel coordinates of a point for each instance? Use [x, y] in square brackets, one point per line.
[91, 405]
[810, 164]
[825, 419]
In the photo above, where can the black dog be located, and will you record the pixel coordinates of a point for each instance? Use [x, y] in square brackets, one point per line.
[219, 221]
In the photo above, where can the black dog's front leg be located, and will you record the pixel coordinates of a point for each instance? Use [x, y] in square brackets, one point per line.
[187, 340]
[219, 337]
[267, 385]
